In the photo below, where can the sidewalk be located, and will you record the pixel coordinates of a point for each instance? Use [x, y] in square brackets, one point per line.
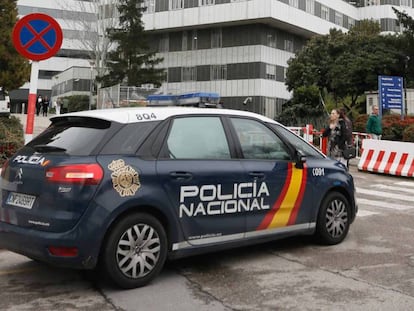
[39, 125]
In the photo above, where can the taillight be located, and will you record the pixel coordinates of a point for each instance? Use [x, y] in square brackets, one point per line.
[4, 168]
[63, 251]
[87, 174]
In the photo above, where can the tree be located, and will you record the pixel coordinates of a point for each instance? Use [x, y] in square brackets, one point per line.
[93, 34]
[346, 64]
[132, 62]
[15, 69]
[305, 107]
[408, 45]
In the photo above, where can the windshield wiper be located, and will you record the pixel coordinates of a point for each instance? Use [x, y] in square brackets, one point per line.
[48, 148]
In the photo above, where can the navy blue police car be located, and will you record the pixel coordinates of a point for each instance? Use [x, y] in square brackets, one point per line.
[125, 189]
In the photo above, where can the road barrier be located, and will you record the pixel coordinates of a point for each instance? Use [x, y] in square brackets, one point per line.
[387, 157]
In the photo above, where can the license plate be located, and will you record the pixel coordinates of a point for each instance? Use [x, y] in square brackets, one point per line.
[21, 200]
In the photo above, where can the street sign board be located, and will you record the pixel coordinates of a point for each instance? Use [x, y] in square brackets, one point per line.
[37, 36]
[390, 90]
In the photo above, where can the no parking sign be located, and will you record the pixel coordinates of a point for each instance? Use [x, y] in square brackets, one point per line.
[37, 37]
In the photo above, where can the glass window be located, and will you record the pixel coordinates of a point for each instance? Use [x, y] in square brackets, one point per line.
[270, 72]
[206, 2]
[216, 38]
[297, 141]
[339, 18]
[149, 5]
[310, 6]
[288, 44]
[176, 4]
[294, 3]
[259, 142]
[71, 136]
[325, 12]
[197, 138]
[164, 43]
[271, 39]
[189, 74]
[218, 72]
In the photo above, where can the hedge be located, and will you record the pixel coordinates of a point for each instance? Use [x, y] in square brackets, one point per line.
[11, 137]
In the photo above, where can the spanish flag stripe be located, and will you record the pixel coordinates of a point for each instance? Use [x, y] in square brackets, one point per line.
[281, 218]
[269, 216]
[294, 214]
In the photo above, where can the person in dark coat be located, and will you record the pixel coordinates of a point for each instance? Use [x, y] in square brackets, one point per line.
[336, 133]
[45, 106]
[39, 104]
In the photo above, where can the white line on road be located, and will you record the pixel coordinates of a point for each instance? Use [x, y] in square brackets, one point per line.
[366, 213]
[385, 187]
[388, 195]
[405, 183]
[383, 204]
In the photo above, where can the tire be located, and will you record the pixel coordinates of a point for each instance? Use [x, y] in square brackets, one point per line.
[333, 219]
[135, 251]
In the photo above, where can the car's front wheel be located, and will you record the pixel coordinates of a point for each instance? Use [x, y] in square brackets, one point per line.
[333, 219]
[135, 250]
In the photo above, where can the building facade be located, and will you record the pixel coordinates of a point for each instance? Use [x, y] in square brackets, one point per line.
[237, 48]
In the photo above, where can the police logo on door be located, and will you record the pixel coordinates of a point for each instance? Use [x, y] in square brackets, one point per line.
[125, 179]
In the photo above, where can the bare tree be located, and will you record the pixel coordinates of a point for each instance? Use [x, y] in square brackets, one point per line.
[91, 20]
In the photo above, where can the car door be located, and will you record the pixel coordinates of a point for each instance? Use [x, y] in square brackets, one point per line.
[280, 185]
[202, 179]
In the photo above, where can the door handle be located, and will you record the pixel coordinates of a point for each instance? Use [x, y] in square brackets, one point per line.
[181, 175]
[257, 175]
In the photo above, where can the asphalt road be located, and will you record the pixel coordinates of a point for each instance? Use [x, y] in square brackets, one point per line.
[371, 270]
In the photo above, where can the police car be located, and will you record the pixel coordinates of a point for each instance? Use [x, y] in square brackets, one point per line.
[125, 189]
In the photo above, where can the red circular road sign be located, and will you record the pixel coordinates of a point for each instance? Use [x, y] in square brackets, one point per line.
[37, 36]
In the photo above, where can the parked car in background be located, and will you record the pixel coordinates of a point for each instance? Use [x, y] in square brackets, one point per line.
[125, 189]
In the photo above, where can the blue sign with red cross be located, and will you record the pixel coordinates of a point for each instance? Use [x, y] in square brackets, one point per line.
[37, 36]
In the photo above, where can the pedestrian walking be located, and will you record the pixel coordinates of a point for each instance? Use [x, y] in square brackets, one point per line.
[374, 126]
[335, 131]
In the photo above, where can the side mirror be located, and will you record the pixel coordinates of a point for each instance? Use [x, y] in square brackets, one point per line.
[300, 158]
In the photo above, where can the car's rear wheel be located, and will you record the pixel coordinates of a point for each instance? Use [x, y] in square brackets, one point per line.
[135, 250]
[333, 219]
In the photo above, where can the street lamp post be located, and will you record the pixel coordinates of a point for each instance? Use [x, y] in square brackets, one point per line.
[91, 86]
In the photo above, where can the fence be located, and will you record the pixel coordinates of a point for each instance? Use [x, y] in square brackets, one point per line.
[123, 96]
[316, 138]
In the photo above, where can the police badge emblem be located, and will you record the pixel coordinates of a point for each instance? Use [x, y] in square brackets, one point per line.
[125, 179]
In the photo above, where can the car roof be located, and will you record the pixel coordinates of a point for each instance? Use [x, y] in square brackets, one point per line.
[142, 114]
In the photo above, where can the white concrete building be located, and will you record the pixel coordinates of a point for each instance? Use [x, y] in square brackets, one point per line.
[238, 48]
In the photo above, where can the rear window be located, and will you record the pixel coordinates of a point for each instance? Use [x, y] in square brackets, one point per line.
[72, 136]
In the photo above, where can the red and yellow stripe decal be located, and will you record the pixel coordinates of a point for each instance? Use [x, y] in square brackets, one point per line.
[285, 210]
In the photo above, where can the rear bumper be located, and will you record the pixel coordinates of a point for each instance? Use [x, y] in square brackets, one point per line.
[34, 244]
[86, 236]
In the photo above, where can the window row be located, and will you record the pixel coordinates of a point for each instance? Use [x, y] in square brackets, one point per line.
[227, 72]
[198, 39]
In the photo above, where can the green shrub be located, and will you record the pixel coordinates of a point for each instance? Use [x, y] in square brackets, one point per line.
[360, 123]
[11, 137]
[408, 133]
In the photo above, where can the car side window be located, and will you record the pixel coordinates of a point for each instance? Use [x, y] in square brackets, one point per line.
[259, 142]
[197, 138]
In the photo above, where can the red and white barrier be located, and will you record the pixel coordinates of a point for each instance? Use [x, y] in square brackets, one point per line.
[387, 157]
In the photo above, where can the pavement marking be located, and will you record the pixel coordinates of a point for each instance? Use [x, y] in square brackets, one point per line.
[405, 183]
[409, 190]
[365, 213]
[388, 195]
[383, 204]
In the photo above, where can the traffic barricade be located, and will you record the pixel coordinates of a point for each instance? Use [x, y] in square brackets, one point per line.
[387, 157]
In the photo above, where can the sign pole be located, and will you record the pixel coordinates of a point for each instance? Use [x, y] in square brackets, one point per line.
[32, 102]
